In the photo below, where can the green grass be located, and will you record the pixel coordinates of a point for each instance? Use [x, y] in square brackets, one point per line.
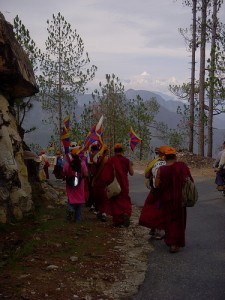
[49, 227]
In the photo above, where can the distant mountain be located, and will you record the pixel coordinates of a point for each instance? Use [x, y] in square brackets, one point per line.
[167, 114]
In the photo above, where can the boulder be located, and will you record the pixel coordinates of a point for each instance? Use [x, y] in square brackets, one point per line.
[16, 80]
[16, 74]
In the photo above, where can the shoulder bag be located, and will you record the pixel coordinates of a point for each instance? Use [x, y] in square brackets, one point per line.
[189, 193]
[113, 189]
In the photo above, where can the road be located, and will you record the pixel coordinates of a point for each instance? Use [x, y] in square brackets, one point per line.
[198, 271]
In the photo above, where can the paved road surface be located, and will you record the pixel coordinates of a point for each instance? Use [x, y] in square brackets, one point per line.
[198, 271]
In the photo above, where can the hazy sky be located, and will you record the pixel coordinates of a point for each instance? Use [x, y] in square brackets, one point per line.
[138, 41]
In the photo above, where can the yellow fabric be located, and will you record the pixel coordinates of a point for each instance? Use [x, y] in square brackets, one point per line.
[151, 164]
[104, 148]
[41, 175]
[147, 183]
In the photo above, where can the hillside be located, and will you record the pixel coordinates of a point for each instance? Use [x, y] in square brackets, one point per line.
[167, 114]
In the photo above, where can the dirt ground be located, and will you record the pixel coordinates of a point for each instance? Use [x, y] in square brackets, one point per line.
[49, 257]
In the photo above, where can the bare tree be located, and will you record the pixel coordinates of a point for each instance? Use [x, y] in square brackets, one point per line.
[192, 91]
[201, 124]
[211, 78]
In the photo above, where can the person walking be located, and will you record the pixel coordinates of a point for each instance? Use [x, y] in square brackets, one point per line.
[45, 163]
[120, 166]
[75, 171]
[171, 179]
[219, 166]
[92, 164]
[98, 189]
[58, 165]
[151, 213]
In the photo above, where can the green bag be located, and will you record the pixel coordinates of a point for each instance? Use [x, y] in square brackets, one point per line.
[189, 193]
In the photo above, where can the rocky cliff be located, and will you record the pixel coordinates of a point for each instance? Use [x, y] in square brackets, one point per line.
[16, 80]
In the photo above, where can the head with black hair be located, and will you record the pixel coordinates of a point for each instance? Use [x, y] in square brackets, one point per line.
[118, 148]
[76, 162]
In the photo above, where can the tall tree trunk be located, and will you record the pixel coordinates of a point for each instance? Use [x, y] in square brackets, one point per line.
[211, 79]
[192, 91]
[60, 106]
[202, 80]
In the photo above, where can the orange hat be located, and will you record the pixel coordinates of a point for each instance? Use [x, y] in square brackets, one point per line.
[57, 152]
[118, 146]
[75, 150]
[167, 150]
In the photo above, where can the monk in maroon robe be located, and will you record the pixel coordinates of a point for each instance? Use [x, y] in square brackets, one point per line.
[120, 205]
[151, 214]
[101, 201]
[170, 179]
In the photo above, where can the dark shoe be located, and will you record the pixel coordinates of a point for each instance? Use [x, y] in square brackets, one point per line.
[152, 232]
[174, 249]
[159, 236]
[118, 225]
[99, 215]
[126, 220]
[103, 217]
[69, 215]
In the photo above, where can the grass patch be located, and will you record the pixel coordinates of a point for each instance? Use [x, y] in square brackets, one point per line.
[49, 235]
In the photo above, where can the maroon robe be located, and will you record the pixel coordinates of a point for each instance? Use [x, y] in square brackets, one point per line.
[172, 179]
[151, 214]
[98, 187]
[120, 204]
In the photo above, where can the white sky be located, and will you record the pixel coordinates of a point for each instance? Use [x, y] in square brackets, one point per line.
[138, 41]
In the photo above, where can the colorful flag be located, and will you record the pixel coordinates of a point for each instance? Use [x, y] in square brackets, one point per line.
[134, 139]
[65, 137]
[94, 135]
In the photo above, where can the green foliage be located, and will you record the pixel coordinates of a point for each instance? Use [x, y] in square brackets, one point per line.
[110, 101]
[65, 71]
[24, 105]
[120, 114]
[22, 35]
[142, 117]
[176, 139]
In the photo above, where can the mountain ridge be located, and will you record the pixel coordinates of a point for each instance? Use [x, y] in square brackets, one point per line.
[167, 113]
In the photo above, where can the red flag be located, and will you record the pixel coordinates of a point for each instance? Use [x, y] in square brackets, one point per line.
[134, 139]
[94, 135]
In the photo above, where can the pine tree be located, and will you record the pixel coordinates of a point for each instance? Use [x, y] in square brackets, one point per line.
[65, 70]
[22, 34]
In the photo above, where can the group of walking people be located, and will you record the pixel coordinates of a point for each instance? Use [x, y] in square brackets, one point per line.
[93, 175]
[87, 179]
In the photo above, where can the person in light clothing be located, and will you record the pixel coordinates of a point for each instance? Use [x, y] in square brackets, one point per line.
[220, 169]
[45, 163]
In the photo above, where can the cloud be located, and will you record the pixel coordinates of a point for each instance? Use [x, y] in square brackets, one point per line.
[147, 82]
[125, 37]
